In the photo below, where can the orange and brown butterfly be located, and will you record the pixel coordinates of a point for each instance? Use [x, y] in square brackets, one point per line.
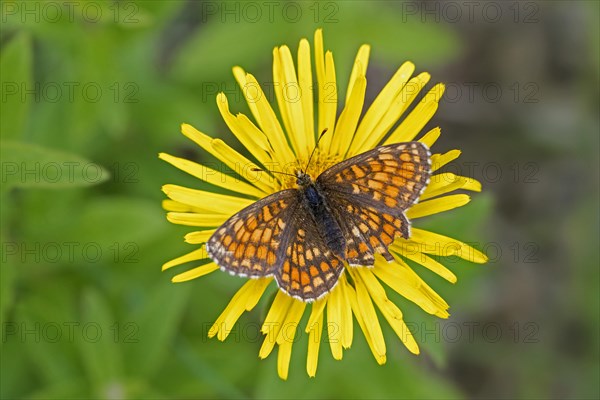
[306, 236]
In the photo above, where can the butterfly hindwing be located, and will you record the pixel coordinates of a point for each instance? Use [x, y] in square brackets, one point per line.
[249, 242]
[367, 230]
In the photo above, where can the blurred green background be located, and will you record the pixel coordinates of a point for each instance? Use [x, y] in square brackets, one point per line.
[92, 91]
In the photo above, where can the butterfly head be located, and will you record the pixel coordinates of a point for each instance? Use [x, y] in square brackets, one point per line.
[303, 179]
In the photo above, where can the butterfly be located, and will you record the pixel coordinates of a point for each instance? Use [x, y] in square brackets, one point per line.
[304, 237]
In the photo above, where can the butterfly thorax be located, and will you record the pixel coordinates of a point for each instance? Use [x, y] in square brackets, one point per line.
[320, 211]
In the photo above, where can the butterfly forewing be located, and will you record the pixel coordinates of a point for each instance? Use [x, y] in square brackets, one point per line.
[249, 243]
[388, 177]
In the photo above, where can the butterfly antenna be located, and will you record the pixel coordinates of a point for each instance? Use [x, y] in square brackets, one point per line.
[314, 149]
[273, 172]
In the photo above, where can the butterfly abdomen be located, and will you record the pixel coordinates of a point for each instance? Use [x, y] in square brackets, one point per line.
[325, 221]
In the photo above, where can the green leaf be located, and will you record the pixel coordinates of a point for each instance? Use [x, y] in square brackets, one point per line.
[8, 274]
[157, 323]
[45, 327]
[100, 345]
[122, 220]
[64, 389]
[16, 371]
[218, 384]
[421, 43]
[28, 165]
[15, 65]
[196, 61]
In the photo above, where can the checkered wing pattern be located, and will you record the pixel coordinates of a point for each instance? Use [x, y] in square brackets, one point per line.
[310, 269]
[250, 243]
[369, 193]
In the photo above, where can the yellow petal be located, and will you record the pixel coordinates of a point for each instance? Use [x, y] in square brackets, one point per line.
[277, 312]
[231, 158]
[347, 321]
[380, 106]
[206, 201]
[244, 167]
[283, 359]
[376, 291]
[276, 164]
[442, 183]
[439, 160]
[255, 291]
[290, 324]
[431, 265]
[248, 127]
[305, 81]
[431, 137]
[265, 117]
[399, 105]
[321, 79]
[361, 62]
[437, 205]
[315, 331]
[269, 124]
[328, 95]
[172, 205]
[416, 120]
[246, 132]
[316, 311]
[195, 273]
[471, 184]
[197, 254]
[199, 236]
[403, 280]
[434, 243]
[381, 359]
[319, 51]
[273, 322]
[251, 91]
[389, 310]
[287, 91]
[365, 307]
[334, 323]
[394, 317]
[194, 219]
[447, 182]
[212, 176]
[346, 126]
[278, 88]
[244, 300]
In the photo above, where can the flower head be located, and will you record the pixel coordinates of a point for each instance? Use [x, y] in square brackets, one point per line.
[285, 143]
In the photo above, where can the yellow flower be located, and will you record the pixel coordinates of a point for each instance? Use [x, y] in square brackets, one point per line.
[360, 290]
